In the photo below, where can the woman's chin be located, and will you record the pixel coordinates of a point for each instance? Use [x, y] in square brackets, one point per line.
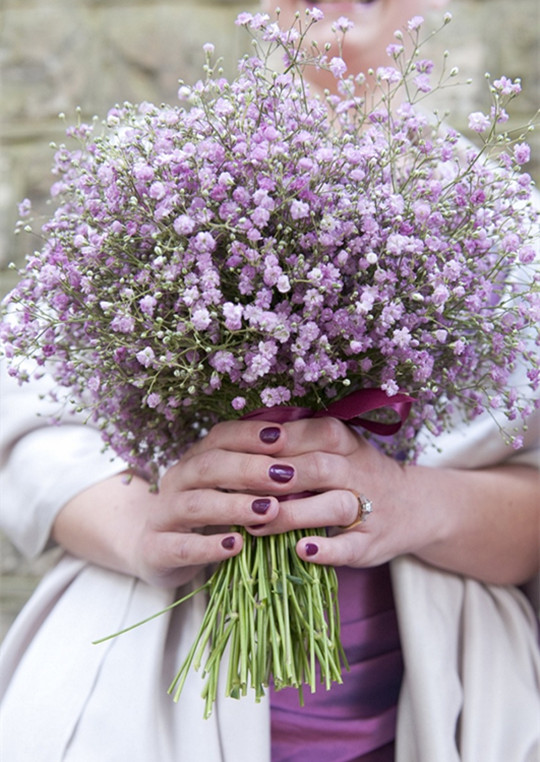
[361, 14]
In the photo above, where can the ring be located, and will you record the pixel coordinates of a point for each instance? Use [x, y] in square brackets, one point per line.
[365, 507]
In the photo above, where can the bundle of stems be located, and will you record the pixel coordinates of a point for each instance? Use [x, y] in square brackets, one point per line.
[277, 617]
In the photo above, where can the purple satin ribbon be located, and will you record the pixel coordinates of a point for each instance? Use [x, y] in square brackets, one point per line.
[350, 409]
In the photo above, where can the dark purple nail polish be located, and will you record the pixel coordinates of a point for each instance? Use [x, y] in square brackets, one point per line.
[280, 473]
[260, 506]
[228, 543]
[257, 526]
[311, 549]
[269, 435]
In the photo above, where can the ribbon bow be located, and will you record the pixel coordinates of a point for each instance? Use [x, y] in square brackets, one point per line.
[351, 409]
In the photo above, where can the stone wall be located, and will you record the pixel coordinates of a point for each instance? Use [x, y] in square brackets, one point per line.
[57, 55]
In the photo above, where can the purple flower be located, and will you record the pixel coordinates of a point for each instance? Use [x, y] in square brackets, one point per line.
[201, 319]
[527, 255]
[317, 15]
[279, 395]
[233, 316]
[440, 295]
[388, 74]
[184, 225]
[145, 356]
[157, 190]
[394, 50]
[94, 382]
[338, 67]
[148, 304]
[479, 122]
[25, 207]
[123, 323]
[245, 247]
[299, 210]
[423, 83]
[415, 23]
[506, 86]
[522, 153]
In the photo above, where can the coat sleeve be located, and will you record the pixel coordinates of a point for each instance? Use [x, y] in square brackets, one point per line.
[42, 464]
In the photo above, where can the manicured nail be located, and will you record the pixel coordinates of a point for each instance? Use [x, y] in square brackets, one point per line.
[260, 506]
[311, 549]
[269, 435]
[228, 543]
[280, 473]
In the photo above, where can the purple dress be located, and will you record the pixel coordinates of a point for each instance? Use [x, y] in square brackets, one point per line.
[354, 721]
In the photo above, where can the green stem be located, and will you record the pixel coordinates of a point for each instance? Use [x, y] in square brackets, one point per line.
[287, 645]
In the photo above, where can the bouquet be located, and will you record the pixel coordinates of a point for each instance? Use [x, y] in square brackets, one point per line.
[257, 246]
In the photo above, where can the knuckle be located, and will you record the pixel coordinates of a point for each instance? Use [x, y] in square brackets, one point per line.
[320, 468]
[351, 555]
[182, 555]
[332, 431]
[193, 504]
[248, 469]
[346, 510]
[206, 464]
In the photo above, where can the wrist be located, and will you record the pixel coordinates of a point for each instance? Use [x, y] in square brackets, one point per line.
[103, 522]
[418, 505]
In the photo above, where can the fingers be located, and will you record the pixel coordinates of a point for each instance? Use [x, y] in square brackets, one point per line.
[195, 509]
[336, 508]
[267, 477]
[326, 435]
[312, 471]
[356, 548]
[233, 471]
[193, 549]
[217, 486]
[287, 439]
[241, 436]
[172, 558]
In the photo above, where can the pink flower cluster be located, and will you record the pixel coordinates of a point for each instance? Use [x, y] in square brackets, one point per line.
[247, 249]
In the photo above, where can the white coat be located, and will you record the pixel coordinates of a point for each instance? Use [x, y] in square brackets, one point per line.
[471, 689]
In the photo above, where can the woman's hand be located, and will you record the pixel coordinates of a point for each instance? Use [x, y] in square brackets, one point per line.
[164, 538]
[234, 476]
[482, 523]
[327, 465]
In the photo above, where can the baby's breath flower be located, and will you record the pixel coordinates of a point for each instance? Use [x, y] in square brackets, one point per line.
[338, 67]
[25, 208]
[145, 356]
[522, 153]
[415, 23]
[248, 248]
[479, 122]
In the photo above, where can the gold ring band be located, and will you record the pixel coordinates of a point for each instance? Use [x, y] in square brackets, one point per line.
[365, 507]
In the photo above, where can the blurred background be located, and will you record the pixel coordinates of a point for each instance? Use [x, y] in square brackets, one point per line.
[58, 55]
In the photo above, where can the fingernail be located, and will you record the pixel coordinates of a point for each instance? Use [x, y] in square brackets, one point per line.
[280, 473]
[311, 549]
[260, 506]
[269, 435]
[228, 543]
